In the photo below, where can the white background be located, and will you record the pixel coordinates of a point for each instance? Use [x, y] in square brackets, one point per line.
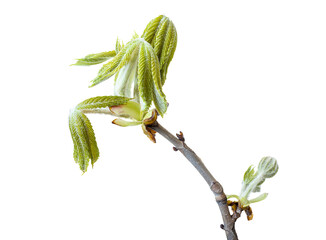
[247, 80]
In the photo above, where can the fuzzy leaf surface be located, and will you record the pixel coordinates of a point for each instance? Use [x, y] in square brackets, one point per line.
[96, 58]
[82, 133]
[102, 101]
[162, 35]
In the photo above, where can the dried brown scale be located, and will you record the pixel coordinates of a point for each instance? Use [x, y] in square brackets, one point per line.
[237, 210]
[180, 136]
[149, 132]
[152, 119]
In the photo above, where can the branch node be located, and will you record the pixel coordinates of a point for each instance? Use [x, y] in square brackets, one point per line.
[218, 191]
[222, 226]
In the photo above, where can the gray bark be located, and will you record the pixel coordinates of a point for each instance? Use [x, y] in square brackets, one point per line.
[215, 186]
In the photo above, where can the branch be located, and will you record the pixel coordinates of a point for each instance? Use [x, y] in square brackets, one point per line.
[179, 145]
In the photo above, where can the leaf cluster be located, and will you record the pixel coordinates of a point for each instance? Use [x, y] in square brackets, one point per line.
[140, 67]
[253, 180]
[81, 130]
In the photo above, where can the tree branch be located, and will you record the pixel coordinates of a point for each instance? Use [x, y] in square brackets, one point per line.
[179, 145]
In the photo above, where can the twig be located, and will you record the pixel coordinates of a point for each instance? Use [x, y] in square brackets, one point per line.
[179, 145]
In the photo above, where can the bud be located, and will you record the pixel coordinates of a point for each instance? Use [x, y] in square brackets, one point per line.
[252, 181]
[269, 166]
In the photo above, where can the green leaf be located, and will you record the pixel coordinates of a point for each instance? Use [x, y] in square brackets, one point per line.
[137, 68]
[261, 197]
[127, 75]
[158, 96]
[233, 196]
[162, 35]
[159, 38]
[253, 180]
[249, 175]
[151, 27]
[118, 45]
[85, 146]
[170, 45]
[101, 102]
[129, 110]
[123, 123]
[145, 84]
[96, 58]
[119, 61]
[135, 36]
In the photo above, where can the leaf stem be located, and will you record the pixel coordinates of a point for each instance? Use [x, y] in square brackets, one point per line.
[220, 197]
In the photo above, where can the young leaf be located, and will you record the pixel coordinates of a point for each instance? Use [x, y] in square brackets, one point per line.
[124, 123]
[119, 61]
[159, 37]
[125, 78]
[85, 146]
[118, 45]
[138, 76]
[145, 84]
[261, 197]
[158, 95]
[162, 35]
[252, 180]
[129, 110]
[151, 28]
[96, 58]
[101, 102]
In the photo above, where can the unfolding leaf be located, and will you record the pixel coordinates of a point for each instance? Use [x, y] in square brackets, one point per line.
[158, 95]
[96, 58]
[118, 45]
[151, 28]
[261, 197]
[103, 101]
[126, 76]
[252, 181]
[119, 61]
[124, 123]
[128, 110]
[162, 35]
[85, 146]
[138, 76]
[145, 83]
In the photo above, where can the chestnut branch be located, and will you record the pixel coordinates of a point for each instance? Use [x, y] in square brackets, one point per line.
[217, 189]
